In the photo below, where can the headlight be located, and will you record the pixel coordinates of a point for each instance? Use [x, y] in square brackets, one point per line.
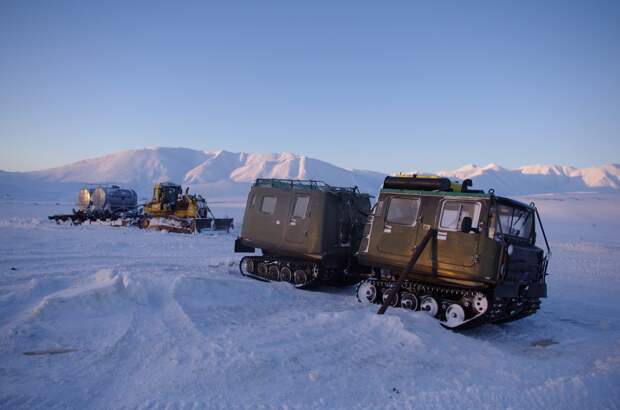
[510, 250]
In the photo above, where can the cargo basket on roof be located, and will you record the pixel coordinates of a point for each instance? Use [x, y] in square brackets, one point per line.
[301, 184]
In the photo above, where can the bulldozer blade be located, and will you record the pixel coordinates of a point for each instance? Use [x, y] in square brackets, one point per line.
[172, 224]
[203, 224]
[222, 224]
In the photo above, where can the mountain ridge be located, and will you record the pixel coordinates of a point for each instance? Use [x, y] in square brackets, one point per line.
[223, 173]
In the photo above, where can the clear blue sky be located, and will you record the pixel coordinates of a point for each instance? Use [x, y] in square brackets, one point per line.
[375, 85]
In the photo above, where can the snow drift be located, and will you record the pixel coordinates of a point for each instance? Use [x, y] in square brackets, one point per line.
[103, 317]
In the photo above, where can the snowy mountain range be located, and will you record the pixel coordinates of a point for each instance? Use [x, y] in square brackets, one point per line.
[219, 174]
[224, 174]
[536, 179]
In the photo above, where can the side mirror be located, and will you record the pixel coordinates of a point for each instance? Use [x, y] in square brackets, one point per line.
[466, 225]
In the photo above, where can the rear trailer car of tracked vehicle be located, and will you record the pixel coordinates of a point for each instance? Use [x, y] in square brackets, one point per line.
[308, 231]
[478, 260]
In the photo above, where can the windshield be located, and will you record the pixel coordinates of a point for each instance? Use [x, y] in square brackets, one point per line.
[515, 221]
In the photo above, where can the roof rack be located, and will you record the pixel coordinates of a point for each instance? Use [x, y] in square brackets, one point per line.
[302, 184]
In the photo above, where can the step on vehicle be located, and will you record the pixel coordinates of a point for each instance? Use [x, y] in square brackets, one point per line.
[307, 231]
[476, 255]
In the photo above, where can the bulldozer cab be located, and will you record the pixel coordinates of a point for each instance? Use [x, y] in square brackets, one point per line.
[185, 212]
[166, 193]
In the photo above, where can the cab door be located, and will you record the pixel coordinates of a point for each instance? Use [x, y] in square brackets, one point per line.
[270, 210]
[399, 233]
[298, 223]
[453, 246]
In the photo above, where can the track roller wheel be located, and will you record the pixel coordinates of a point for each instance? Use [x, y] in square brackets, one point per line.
[273, 272]
[285, 274]
[366, 292]
[300, 277]
[429, 305]
[455, 315]
[262, 270]
[246, 266]
[386, 295]
[409, 301]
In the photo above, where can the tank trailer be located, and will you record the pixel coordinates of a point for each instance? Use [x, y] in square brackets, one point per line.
[102, 203]
[170, 209]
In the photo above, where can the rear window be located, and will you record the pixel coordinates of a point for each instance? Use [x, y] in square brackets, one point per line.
[454, 212]
[403, 211]
[301, 206]
[269, 204]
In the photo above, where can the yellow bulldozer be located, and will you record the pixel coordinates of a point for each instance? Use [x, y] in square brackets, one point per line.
[174, 211]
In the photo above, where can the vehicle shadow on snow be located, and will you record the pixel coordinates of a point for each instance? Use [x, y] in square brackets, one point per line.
[524, 337]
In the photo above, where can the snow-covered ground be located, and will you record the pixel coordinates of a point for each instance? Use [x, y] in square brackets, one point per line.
[106, 317]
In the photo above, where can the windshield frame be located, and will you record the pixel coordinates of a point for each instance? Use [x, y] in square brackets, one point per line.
[500, 228]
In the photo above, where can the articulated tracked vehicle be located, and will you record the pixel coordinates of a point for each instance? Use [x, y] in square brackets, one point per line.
[308, 231]
[463, 256]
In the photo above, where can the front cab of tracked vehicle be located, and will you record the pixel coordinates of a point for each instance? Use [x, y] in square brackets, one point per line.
[479, 241]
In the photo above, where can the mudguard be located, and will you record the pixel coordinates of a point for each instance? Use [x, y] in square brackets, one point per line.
[241, 248]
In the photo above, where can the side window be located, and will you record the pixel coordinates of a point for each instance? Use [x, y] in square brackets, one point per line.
[450, 216]
[403, 211]
[269, 204]
[253, 201]
[453, 213]
[301, 206]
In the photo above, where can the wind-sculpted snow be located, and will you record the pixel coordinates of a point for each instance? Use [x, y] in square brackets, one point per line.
[105, 317]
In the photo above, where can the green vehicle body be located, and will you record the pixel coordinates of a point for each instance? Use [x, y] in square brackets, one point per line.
[306, 220]
[463, 256]
[490, 255]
